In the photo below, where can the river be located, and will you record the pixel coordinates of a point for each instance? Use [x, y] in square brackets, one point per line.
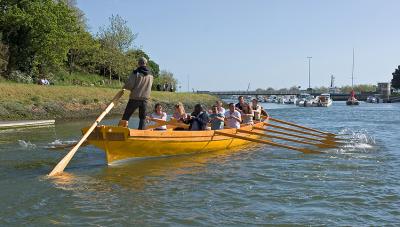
[357, 184]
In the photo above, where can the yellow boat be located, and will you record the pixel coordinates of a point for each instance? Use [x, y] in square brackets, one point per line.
[120, 143]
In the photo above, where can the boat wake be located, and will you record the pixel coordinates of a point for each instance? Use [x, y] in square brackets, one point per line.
[60, 143]
[356, 141]
[26, 144]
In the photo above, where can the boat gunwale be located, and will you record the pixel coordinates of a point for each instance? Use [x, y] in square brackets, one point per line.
[185, 134]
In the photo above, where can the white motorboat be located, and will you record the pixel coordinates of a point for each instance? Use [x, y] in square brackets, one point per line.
[324, 100]
[272, 99]
[303, 98]
[292, 99]
[371, 99]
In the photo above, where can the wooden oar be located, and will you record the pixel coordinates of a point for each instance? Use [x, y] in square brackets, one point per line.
[302, 132]
[329, 142]
[304, 150]
[319, 145]
[302, 127]
[59, 168]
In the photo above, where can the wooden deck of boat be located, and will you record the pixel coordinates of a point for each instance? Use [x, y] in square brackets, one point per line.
[23, 124]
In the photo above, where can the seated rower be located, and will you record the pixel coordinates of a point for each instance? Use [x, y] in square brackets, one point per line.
[233, 117]
[198, 119]
[247, 114]
[159, 115]
[216, 119]
[220, 108]
[179, 115]
[256, 110]
[240, 104]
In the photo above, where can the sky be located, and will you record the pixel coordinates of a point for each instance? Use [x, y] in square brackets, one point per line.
[220, 45]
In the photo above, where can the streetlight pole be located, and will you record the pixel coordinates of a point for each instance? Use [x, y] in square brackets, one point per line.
[309, 72]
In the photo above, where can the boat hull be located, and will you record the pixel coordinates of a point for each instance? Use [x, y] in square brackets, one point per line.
[122, 143]
[352, 103]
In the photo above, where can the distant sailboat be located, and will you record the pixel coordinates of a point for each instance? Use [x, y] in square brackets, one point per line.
[352, 99]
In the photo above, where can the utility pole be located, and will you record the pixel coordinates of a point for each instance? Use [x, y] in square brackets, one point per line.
[309, 72]
[352, 72]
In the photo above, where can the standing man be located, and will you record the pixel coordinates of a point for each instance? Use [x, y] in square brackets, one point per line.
[139, 83]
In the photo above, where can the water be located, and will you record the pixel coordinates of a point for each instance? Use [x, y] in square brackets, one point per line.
[358, 184]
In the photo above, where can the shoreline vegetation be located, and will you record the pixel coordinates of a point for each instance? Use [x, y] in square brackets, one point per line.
[36, 102]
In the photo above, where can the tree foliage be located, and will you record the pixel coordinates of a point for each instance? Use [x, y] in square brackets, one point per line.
[117, 35]
[396, 78]
[166, 77]
[38, 33]
[39, 37]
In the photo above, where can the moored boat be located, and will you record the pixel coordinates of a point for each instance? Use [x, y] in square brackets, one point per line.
[324, 100]
[352, 101]
[121, 143]
[292, 99]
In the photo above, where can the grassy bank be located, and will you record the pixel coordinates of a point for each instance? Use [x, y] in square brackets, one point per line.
[29, 101]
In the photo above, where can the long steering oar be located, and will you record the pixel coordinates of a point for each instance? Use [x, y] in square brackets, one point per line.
[319, 145]
[64, 162]
[302, 127]
[304, 150]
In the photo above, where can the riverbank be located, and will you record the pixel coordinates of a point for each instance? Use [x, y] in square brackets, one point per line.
[30, 101]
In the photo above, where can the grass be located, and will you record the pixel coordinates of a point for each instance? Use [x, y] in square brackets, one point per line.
[29, 101]
[84, 79]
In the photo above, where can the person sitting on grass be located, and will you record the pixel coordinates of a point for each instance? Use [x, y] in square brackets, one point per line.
[247, 114]
[233, 117]
[198, 119]
[158, 114]
[216, 119]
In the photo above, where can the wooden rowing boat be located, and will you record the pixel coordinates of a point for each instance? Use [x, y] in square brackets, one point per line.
[120, 143]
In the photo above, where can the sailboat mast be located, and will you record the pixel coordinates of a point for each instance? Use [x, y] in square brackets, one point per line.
[352, 72]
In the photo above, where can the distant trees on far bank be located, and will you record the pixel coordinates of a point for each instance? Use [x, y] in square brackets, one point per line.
[396, 78]
[47, 38]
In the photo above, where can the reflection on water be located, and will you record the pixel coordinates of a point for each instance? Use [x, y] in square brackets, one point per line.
[356, 184]
[136, 174]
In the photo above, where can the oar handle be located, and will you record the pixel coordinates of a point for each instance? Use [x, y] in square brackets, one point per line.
[64, 162]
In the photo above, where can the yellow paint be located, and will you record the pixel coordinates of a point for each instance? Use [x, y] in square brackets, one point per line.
[122, 143]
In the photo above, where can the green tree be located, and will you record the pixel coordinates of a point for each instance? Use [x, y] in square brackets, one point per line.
[3, 56]
[117, 35]
[165, 77]
[396, 78]
[37, 32]
[135, 54]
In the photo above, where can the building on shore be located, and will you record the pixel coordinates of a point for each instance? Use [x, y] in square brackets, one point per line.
[333, 89]
[383, 89]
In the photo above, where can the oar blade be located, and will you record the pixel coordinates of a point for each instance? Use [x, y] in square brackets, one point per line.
[59, 168]
[309, 151]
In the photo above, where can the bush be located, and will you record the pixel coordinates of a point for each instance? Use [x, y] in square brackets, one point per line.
[20, 77]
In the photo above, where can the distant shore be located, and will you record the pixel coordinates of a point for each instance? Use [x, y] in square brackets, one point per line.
[30, 101]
